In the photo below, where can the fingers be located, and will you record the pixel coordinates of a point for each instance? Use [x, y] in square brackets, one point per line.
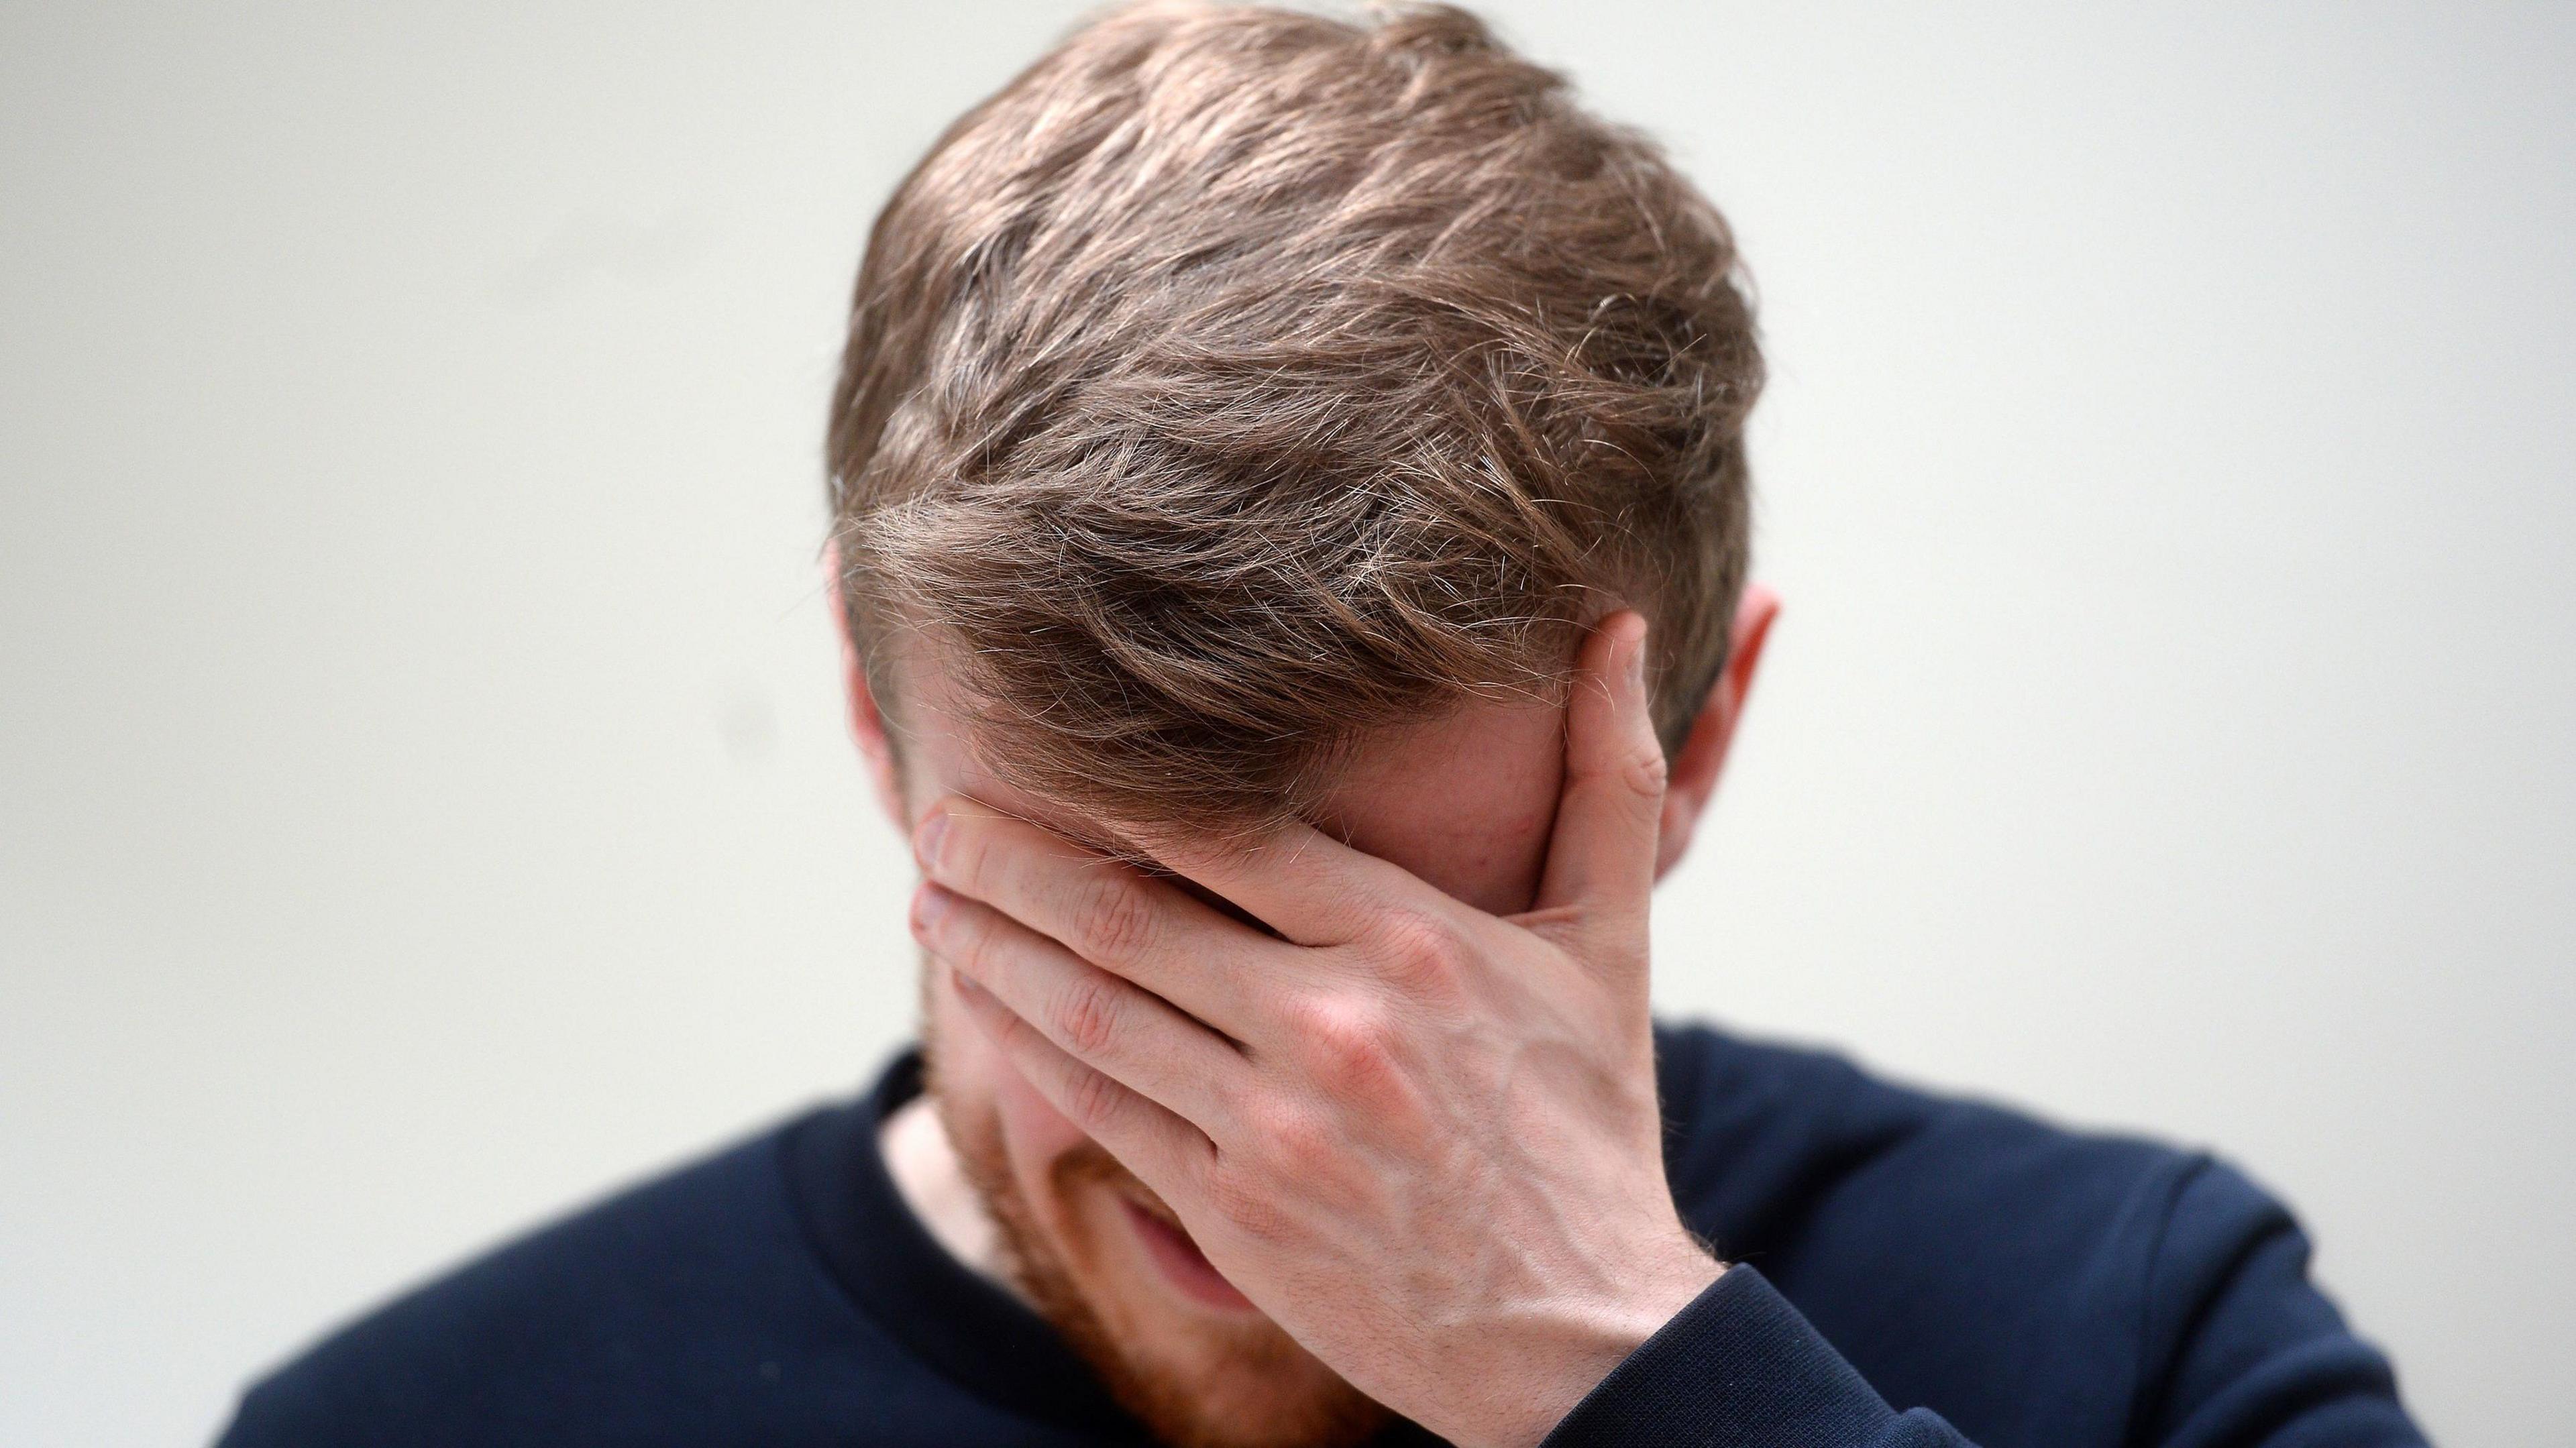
[1601, 857]
[1112, 1027]
[1149, 931]
[1311, 888]
[1166, 1153]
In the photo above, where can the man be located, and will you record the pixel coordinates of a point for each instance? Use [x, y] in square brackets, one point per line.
[1289, 496]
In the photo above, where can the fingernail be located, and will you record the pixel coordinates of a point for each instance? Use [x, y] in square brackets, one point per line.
[928, 904]
[1637, 659]
[925, 840]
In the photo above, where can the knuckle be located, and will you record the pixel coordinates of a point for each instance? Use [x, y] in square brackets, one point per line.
[1298, 1147]
[1113, 919]
[1349, 1043]
[967, 943]
[1645, 770]
[1421, 952]
[1093, 1100]
[961, 854]
[1247, 1201]
[1086, 1016]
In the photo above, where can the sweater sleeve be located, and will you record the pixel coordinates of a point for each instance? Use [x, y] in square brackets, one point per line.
[1740, 1366]
[2239, 1350]
[2240, 1347]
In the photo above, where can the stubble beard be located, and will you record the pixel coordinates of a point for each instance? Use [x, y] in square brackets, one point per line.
[1258, 1370]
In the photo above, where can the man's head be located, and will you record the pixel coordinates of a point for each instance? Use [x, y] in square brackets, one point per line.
[1243, 415]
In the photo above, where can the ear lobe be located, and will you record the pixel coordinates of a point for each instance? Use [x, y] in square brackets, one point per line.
[867, 721]
[1702, 758]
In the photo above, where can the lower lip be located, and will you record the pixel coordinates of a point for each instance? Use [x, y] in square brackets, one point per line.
[1182, 1262]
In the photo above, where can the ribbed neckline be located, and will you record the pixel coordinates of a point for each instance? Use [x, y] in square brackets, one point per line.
[967, 1329]
[970, 1331]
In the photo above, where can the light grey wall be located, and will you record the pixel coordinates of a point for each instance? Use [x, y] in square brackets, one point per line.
[423, 799]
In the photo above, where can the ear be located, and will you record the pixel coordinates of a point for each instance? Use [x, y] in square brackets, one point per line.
[1693, 777]
[867, 721]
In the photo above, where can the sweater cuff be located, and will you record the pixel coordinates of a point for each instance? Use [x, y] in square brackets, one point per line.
[1738, 1367]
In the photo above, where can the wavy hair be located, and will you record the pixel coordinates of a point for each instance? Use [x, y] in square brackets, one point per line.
[1237, 382]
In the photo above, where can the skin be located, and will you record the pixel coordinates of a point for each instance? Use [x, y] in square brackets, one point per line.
[1398, 1143]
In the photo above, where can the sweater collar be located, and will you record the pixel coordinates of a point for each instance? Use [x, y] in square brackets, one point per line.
[963, 1326]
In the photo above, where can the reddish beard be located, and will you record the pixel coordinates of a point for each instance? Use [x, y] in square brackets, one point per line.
[1250, 1385]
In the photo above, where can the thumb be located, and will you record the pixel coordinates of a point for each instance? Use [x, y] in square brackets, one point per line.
[1601, 857]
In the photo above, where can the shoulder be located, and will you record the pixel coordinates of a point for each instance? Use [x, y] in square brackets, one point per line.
[1776, 1143]
[1961, 1252]
[673, 1292]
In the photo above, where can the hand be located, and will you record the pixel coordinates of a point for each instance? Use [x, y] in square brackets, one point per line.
[1423, 1139]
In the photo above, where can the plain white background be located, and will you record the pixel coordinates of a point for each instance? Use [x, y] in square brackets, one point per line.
[423, 795]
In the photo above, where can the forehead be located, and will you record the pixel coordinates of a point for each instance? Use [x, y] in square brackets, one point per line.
[1463, 800]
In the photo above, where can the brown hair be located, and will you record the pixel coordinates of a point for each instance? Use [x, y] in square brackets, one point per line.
[1236, 382]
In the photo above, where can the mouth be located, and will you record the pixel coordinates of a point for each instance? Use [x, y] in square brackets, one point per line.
[1179, 1258]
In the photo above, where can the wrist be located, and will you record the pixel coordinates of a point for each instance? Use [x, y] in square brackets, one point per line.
[1586, 1341]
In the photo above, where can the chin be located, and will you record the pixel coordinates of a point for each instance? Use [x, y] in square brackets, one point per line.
[1106, 1263]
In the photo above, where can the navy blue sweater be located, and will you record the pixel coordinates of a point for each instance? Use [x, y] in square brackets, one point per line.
[1912, 1271]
